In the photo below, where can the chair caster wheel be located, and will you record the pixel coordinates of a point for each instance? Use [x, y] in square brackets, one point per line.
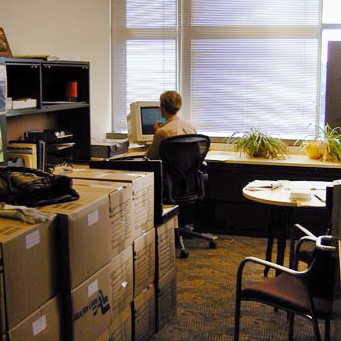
[184, 254]
[213, 245]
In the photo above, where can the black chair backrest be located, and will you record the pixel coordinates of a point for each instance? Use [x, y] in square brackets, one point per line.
[321, 277]
[182, 159]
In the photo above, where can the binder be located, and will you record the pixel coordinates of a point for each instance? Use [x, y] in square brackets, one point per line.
[32, 154]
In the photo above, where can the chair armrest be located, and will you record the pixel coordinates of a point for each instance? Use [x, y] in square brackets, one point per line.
[265, 264]
[270, 265]
[320, 243]
[305, 231]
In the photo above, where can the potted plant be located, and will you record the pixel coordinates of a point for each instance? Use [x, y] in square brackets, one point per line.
[254, 143]
[326, 145]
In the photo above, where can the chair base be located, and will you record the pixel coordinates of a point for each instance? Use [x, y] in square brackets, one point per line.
[187, 232]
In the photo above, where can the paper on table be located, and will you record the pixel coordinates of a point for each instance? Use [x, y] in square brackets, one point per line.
[312, 185]
[215, 155]
[262, 185]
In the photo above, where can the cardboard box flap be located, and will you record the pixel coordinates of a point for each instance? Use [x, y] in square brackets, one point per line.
[107, 175]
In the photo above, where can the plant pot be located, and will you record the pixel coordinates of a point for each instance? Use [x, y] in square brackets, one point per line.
[313, 149]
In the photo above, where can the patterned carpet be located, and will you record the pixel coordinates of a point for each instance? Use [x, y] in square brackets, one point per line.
[206, 296]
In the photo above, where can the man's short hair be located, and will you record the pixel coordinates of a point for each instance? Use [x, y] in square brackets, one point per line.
[171, 101]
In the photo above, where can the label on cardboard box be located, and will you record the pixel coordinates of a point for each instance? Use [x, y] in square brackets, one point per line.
[32, 239]
[39, 325]
[92, 288]
[93, 218]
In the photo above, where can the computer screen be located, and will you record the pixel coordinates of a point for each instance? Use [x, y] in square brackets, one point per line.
[141, 120]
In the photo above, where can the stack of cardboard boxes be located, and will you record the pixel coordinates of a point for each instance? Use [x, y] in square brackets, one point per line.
[165, 280]
[139, 261]
[30, 306]
[98, 271]
[84, 253]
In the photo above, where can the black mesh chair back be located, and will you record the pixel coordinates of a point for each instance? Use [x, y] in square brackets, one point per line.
[185, 181]
[184, 178]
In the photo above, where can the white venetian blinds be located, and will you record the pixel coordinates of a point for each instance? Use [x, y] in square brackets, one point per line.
[144, 53]
[237, 63]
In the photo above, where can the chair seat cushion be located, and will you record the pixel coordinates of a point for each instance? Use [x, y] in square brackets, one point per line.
[287, 292]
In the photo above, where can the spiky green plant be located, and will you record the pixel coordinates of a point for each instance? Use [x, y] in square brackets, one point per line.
[325, 144]
[255, 143]
[331, 143]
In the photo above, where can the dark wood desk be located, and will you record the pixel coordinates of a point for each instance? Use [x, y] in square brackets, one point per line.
[227, 211]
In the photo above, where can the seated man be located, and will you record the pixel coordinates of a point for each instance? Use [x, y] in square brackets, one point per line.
[170, 104]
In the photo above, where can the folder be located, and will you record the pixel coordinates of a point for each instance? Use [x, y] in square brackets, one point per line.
[26, 151]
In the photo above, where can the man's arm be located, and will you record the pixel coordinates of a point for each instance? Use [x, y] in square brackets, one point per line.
[153, 150]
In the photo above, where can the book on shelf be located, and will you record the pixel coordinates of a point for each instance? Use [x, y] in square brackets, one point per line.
[32, 153]
[24, 103]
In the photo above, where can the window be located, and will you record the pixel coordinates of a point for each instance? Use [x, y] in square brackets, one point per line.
[144, 53]
[237, 63]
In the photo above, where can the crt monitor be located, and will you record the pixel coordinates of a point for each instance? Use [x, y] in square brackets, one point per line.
[141, 121]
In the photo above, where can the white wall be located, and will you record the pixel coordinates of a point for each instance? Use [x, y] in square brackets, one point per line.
[66, 28]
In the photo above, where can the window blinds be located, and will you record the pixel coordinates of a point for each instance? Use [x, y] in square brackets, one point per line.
[238, 64]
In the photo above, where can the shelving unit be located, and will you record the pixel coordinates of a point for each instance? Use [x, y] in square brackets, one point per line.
[46, 81]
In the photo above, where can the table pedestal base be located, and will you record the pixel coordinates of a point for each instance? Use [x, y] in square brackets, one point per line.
[280, 222]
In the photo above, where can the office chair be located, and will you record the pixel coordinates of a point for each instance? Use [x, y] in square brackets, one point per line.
[308, 292]
[185, 181]
[298, 230]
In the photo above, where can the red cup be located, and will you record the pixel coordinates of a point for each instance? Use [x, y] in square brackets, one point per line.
[72, 91]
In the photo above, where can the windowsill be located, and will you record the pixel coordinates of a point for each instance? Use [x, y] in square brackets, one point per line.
[230, 147]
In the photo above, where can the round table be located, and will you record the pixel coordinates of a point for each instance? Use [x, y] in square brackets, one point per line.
[277, 194]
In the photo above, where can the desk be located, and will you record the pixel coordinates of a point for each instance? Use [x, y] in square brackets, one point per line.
[282, 205]
[227, 211]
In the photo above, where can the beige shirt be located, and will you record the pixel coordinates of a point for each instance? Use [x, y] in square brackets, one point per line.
[175, 126]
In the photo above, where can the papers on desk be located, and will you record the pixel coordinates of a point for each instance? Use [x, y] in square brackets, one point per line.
[215, 155]
[263, 185]
[305, 185]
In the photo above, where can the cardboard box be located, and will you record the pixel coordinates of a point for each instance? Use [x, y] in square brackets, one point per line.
[144, 314]
[87, 313]
[121, 279]
[83, 242]
[121, 213]
[144, 262]
[121, 326]
[143, 192]
[166, 299]
[105, 336]
[28, 273]
[43, 324]
[165, 247]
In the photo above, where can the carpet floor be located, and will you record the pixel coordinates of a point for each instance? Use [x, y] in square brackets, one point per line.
[206, 297]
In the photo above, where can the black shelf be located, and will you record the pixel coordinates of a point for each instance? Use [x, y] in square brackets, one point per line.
[46, 81]
[53, 108]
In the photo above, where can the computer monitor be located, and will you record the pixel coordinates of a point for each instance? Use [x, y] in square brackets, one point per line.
[141, 120]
